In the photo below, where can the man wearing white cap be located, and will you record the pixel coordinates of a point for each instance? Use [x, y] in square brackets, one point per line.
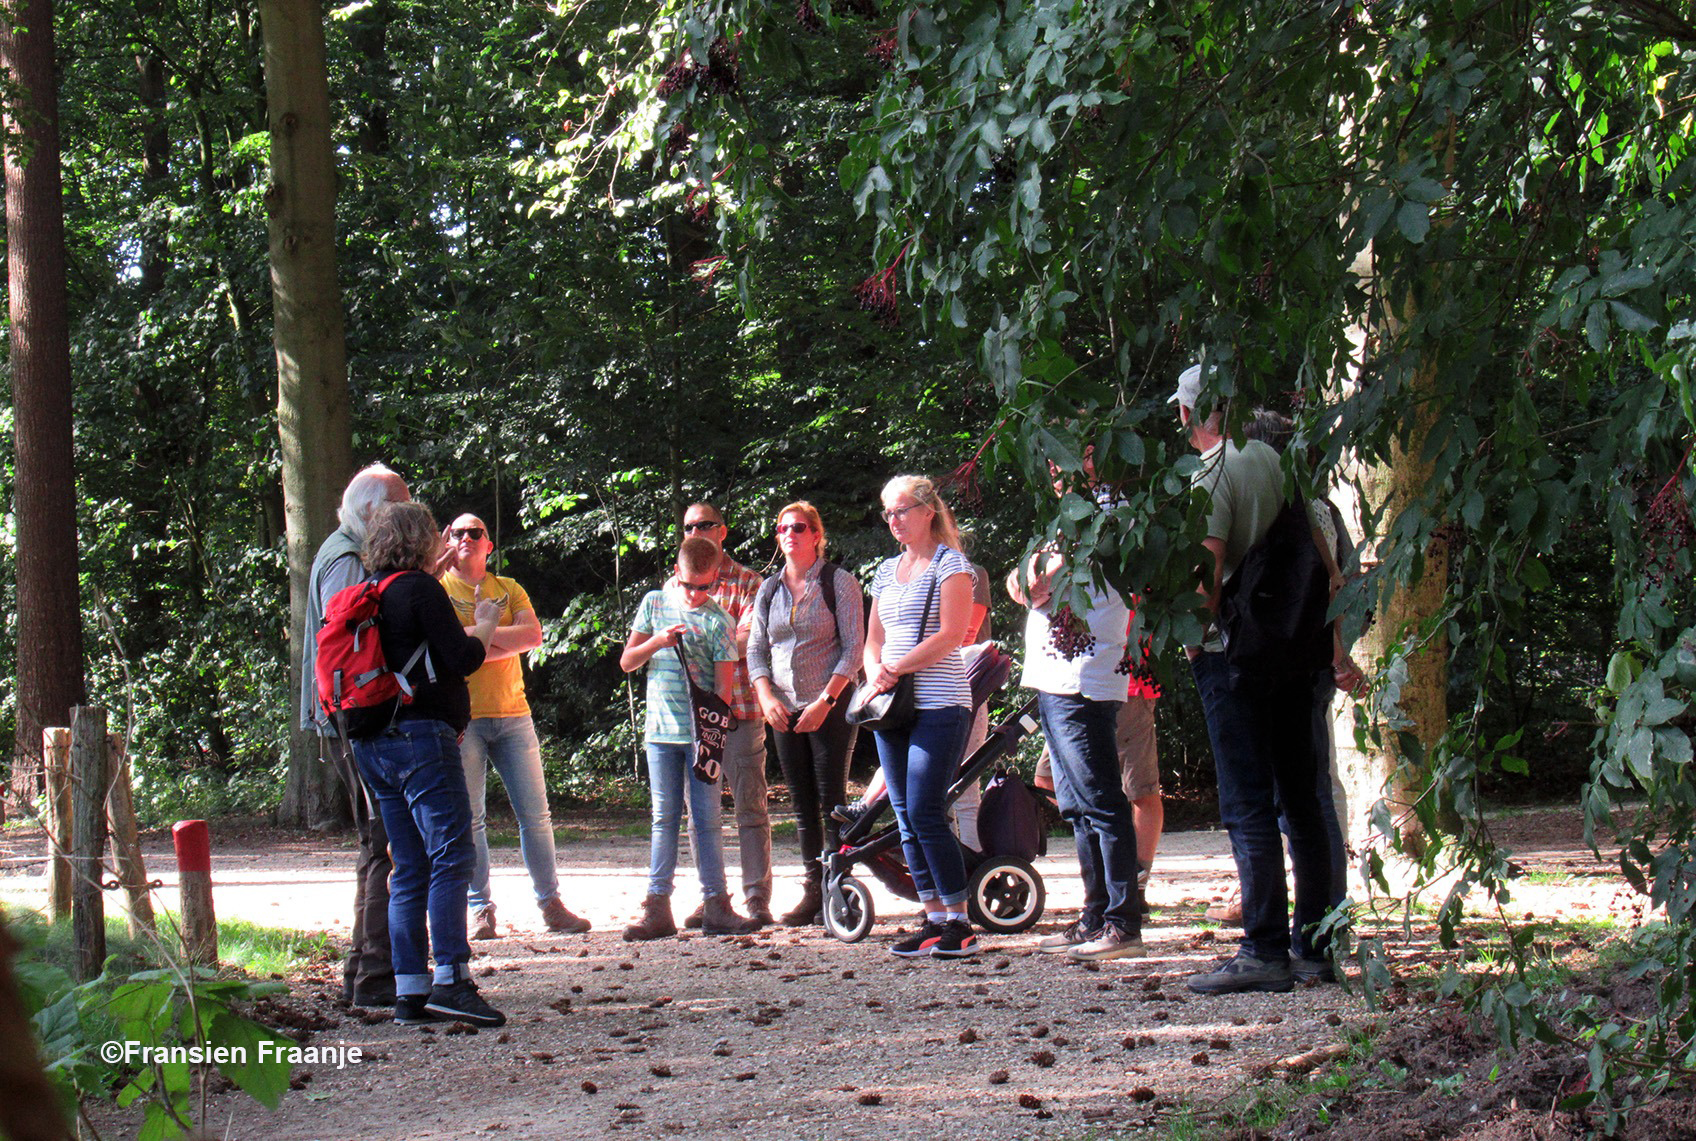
[1260, 729]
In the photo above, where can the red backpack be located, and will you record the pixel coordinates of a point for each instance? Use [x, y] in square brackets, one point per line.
[356, 688]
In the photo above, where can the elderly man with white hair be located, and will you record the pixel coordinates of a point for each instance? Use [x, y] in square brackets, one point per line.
[368, 977]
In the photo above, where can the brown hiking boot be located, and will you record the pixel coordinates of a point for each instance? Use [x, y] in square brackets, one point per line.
[483, 922]
[656, 922]
[719, 917]
[694, 919]
[560, 918]
[807, 912]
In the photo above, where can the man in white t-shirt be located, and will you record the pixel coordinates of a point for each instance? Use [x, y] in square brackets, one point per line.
[1072, 661]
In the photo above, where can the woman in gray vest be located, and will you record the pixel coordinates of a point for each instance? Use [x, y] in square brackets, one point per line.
[803, 651]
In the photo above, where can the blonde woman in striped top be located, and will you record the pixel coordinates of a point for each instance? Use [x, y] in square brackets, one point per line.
[920, 760]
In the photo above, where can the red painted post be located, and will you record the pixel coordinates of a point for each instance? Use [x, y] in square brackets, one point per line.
[193, 842]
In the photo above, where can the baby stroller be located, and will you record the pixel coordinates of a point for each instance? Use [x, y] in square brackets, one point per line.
[1004, 893]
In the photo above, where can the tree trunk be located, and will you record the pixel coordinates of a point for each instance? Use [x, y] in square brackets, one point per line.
[49, 630]
[1370, 775]
[313, 419]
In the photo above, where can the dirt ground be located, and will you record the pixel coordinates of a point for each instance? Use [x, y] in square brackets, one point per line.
[792, 1034]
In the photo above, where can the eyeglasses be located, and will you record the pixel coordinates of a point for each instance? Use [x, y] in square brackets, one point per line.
[701, 525]
[793, 528]
[466, 532]
[891, 514]
[702, 587]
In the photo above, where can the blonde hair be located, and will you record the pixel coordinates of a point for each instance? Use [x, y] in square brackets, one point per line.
[811, 514]
[942, 526]
[400, 537]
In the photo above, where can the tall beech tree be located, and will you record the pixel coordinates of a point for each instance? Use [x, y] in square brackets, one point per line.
[49, 622]
[313, 418]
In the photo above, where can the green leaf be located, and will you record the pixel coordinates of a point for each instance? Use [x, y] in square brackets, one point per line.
[1414, 221]
[1075, 507]
[1630, 319]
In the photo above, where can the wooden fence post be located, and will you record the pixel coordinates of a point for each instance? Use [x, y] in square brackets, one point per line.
[193, 842]
[56, 763]
[88, 838]
[126, 843]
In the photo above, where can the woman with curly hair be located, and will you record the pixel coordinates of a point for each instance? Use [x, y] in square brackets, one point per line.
[412, 767]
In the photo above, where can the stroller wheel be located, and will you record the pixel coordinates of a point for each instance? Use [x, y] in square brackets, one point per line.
[1005, 895]
[848, 912]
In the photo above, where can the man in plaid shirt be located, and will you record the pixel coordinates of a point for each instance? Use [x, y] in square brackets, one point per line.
[745, 750]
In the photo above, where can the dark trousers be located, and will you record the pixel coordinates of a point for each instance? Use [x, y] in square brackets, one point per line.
[1088, 788]
[815, 765]
[368, 967]
[1263, 736]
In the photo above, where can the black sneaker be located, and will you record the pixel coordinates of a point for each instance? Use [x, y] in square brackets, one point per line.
[919, 945]
[410, 1011]
[460, 1002]
[958, 941]
[849, 813]
[1314, 970]
[1244, 973]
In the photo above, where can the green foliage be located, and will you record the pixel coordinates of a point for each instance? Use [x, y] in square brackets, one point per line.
[165, 1013]
[1446, 236]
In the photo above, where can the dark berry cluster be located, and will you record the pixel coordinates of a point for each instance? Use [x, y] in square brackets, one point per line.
[678, 140]
[1666, 532]
[1069, 635]
[808, 17]
[677, 77]
[877, 294]
[723, 74]
[884, 48]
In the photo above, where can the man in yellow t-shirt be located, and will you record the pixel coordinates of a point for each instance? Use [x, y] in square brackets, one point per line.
[501, 731]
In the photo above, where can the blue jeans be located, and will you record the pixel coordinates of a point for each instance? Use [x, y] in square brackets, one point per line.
[669, 781]
[510, 743]
[1084, 752]
[1262, 737]
[414, 772]
[919, 762]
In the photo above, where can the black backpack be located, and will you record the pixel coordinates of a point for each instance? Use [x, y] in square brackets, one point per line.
[1272, 610]
[1009, 823]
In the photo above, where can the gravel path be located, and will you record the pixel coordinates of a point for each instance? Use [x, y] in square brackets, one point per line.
[787, 1034]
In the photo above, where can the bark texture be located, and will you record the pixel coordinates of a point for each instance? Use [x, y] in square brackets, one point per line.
[49, 623]
[313, 419]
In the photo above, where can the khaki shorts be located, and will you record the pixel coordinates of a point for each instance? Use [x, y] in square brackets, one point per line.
[1139, 755]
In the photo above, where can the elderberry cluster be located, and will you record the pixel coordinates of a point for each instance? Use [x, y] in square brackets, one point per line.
[808, 17]
[1667, 531]
[883, 48]
[1068, 635]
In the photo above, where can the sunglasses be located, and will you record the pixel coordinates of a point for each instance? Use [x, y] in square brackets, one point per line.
[701, 587]
[466, 532]
[890, 515]
[701, 525]
[793, 528]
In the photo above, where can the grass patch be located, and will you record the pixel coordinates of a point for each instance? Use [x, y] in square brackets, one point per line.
[242, 945]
